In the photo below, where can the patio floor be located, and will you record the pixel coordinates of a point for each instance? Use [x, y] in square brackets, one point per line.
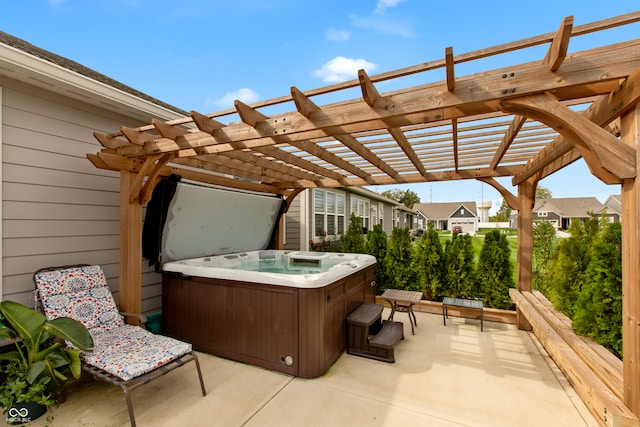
[450, 375]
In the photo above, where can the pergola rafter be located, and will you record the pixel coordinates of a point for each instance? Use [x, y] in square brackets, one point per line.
[524, 121]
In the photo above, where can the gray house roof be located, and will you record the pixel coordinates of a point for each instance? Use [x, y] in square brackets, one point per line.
[614, 203]
[570, 207]
[434, 211]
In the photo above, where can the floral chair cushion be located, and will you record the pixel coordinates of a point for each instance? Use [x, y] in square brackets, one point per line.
[124, 351]
[130, 351]
[81, 293]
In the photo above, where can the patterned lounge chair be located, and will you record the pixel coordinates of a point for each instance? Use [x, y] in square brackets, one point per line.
[124, 355]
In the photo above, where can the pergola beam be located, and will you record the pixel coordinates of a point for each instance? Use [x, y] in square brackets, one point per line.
[475, 94]
[558, 49]
[609, 159]
[601, 112]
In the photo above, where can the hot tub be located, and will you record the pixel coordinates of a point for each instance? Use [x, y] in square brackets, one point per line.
[282, 310]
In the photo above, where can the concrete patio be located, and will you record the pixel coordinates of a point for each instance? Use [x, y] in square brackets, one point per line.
[450, 375]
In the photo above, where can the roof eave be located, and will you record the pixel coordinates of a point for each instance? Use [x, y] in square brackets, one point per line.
[24, 67]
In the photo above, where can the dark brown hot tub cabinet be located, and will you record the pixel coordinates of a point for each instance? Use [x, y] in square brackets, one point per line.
[294, 330]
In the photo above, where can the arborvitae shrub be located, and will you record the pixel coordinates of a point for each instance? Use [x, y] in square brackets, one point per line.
[377, 246]
[397, 261]
[353, 240]
[429, 263]
[494, 274]
[459, 269]
[598, 309]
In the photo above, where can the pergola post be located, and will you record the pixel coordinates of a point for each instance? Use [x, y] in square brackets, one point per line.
[130, 294]
[526, 199]
[630, 134]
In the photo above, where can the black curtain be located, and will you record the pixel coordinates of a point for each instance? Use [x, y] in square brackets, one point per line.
[154, 220]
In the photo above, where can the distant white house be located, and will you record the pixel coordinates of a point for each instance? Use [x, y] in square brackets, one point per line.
[561, 212]
[445, 216]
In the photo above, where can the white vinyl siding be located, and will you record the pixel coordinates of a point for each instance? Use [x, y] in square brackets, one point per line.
[57, 207]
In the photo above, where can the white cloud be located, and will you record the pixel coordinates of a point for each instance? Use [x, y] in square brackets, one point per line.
[383, 25]
[337, 35]
[383, 5]
[244, 94]
[340, 69]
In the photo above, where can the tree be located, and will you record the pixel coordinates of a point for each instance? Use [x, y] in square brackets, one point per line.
[406, 197]
[542, 192]
[494, 273]
[598, 310]
[397, 261]
[353, 241]
[544, 243]
[459, 271]
[568, 266]
[503, 214]
[377, 246]
[428, 262]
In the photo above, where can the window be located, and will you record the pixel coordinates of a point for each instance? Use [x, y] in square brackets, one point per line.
[361, 208]
[328, 213]
[543, 213]
[380, 213]
[395, 217]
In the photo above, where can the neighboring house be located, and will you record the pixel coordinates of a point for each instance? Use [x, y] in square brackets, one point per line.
[613, 205]
[57, 207]
[445, 216]
[324, 213]
[561, 212]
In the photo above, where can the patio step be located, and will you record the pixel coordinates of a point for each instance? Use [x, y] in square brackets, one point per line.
[389, 335]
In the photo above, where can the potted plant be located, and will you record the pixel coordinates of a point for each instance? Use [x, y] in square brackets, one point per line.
[38, 368]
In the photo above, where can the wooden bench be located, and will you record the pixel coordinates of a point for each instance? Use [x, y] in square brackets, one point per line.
[594, 373]
[369, 336]
[464, 303]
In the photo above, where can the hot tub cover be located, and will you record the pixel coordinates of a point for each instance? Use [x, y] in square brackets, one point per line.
[197, 220]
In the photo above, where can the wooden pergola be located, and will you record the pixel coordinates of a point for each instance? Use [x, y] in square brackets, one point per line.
[524, 121]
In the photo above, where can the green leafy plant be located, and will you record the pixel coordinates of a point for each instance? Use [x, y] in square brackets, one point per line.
[40, 365]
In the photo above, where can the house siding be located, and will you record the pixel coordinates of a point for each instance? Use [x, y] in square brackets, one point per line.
[57, 208]
[293, 225]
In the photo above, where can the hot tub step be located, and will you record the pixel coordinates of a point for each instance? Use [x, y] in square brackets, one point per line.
[388, 336]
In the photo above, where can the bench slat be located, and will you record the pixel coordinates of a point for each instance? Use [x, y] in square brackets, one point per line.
[610, 374]
[601, 401]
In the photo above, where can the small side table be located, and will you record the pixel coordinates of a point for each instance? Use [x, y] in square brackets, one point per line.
[462, 303]
[403, 301]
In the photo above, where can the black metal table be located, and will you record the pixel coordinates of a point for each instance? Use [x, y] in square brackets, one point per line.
[472, 304]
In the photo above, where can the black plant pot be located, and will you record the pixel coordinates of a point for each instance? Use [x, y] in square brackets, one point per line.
[25, 412]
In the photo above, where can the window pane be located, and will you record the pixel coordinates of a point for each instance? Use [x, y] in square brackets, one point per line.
[340, 225]
[340, 200]
[319, 200]
[354, 206]
[331, 202]
[331, 225]
[319, 225]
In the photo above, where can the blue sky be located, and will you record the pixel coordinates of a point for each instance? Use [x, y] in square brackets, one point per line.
[201, 55]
